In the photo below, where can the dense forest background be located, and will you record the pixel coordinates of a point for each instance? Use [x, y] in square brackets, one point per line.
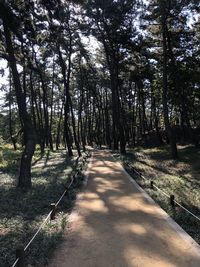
[138, 84]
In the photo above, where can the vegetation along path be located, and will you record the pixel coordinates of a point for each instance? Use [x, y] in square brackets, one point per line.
[116, 224]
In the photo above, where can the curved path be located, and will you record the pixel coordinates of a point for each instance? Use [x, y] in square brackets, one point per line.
[115, 224]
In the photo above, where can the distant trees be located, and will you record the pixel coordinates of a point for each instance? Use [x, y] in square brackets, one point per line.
[169, 23]
[112, 25]
[165, 35]
[139, 87]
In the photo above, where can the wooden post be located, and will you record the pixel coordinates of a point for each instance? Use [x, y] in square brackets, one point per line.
[21, 255]
[172, 201]
[53, 214]
[151, 185]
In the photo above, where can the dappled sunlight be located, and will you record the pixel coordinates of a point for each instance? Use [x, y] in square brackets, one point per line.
[133, 202]
[90, 196]
[130, 227]
[116, 224]
[103, 170]
[79, 225]
[103, 185]
[22, 212]
[94, 204]
[146, 259]
[179, 177]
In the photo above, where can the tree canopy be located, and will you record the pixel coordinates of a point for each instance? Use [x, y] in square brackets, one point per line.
[139, 86]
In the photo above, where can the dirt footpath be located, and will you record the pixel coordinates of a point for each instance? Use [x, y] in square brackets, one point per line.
[115, 225]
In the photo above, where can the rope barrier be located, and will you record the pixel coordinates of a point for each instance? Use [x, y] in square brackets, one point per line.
[60, 198]
[138, 173]
[164, 193]
[45, 220]
[161, 191]
[187, 210]
[14, 264]
[48, 216]
[34, 236]
[39, 229]
[57, 203]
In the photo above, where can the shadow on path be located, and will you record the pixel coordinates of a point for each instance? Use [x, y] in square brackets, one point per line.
[115, 225]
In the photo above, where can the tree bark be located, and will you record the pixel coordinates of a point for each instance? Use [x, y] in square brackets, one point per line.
[13, 140]
[28, 129]
[66, 104]
[165, 85]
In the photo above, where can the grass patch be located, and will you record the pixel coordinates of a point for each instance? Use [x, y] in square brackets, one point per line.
[22, 212]
[179, 177]
[10, 158]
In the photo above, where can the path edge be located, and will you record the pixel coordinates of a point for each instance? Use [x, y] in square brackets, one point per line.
[86, 175]
[195, 247]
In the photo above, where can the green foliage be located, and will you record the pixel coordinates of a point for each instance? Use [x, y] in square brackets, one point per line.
[9, 158]
[22, 212]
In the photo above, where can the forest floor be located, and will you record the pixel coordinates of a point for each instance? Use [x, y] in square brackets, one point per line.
[22, 212]
[115, 224]
[178, 177]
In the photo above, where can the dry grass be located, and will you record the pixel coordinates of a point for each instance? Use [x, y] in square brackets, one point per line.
[182, 176]
[22, 212]
[178, 177]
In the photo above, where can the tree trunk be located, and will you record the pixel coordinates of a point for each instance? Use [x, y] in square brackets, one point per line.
[74, 130]
[51, 110]
[13, 140]
[165, 86]
[183, 98]
[28, 129]
[66, 104]
[58, 128]
[107, 124]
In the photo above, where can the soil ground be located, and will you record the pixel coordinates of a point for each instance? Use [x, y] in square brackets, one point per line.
[115, 225]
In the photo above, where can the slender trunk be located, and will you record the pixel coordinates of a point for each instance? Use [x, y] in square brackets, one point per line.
[51, 110]
[74, 130]
[115, 115]
[107, 124]
[58, 128]
[80, 120]
[165, 86]
[32, 101]
[156, 121]
[66, 104]
[13, 140]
